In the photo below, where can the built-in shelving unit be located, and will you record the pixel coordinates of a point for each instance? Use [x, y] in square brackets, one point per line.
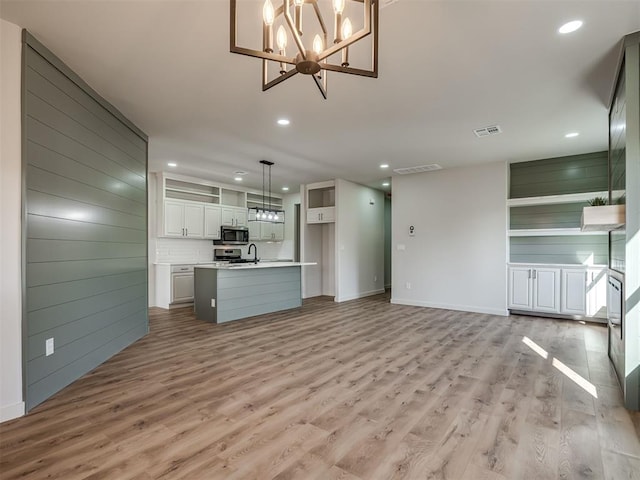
[194, 208]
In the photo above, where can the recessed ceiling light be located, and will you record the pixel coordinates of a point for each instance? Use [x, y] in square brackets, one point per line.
[570, 26]
[385, 184]
[285, 189]
[283, 121]
[238, 179]
[384, 165]
[172, 164]
[571, 135]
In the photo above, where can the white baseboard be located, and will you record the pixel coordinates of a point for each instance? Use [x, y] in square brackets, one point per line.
[9, 412]
[460, 308]
[346, 298]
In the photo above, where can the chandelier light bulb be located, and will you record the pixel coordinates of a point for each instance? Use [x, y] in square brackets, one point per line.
[275, 217]
[347, 29]
[317, 44]
[264, 215]
[281, 38]
[270, 216]
[268, 13]
[338, 6]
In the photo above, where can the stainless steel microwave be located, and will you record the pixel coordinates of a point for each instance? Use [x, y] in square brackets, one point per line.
[233, 236]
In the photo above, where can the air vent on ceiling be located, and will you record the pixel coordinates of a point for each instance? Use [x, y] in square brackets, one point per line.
[418, 169]
[486, 131]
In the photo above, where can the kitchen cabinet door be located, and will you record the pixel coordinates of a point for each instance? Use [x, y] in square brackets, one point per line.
[520, 288]
[241, 217]
[228, 217]
[574, 292]
[194, 221]
[546, 290]
[321, 215]
[173, 219]
[212, 222]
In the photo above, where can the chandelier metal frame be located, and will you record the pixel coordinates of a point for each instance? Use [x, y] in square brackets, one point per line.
[307, 61]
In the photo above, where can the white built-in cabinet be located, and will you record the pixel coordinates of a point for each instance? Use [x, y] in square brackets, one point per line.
[534, 288]
[574, 291]
[234, 216]
[558, 289]
[183, 219]
[212, 221]
[321, 201]
[192, 208]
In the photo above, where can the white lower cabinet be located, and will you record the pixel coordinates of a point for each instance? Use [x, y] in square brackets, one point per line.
[534, 288]
[561, 289]
[574, 291]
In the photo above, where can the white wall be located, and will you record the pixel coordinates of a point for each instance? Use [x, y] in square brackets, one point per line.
[457, 258]
[11, 401]
[359, 241]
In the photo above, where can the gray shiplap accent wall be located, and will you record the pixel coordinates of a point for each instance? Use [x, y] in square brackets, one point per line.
[558, 215]
[559, 176]
[568, 249]
[85, 242]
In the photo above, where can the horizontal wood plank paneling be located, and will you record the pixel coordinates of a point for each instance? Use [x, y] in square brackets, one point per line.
[94, 105]
[56, 272]
[59, 379]
[51, 206]
[58, 315]
[86, 222]
[47, 138]
[72, 331]
[558, 176]
[559, 215]
[559, 249]
[62, 229]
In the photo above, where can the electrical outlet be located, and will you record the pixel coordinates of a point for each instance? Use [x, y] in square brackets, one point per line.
[408, 285]
[375, 278]
[213, 302]
[48, 346]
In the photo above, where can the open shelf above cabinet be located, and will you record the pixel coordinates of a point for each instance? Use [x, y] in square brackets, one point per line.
[555, 199]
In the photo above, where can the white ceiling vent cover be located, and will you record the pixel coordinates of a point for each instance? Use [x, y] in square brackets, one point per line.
[418, 169]
[486, 131]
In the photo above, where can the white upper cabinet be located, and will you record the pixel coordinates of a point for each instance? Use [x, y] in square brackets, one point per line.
[212, 221]
[321, 201]
[183, 219]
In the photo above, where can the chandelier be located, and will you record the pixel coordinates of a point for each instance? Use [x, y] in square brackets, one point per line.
[267, 213]
[313, 57]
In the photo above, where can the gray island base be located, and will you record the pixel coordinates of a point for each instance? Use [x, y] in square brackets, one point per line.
[225, 293]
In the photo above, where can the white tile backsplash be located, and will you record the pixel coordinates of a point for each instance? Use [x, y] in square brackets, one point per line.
[180, 250]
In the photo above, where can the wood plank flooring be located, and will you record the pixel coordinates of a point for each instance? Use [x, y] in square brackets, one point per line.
[358, 390]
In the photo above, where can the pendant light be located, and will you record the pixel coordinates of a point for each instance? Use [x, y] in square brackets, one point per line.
[267, 213]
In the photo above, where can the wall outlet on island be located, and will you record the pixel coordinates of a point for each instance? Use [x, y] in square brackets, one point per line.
[213, 303]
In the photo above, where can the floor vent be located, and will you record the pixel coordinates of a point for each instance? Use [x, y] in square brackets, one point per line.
[418, 169]
[486, 131]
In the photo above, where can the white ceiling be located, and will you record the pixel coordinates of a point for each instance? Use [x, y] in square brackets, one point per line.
[446, 67]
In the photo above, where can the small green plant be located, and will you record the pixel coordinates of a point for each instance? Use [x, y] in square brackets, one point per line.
[597, 201]
[621, 200]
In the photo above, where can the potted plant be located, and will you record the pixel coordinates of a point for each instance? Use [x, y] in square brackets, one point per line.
[599, 216]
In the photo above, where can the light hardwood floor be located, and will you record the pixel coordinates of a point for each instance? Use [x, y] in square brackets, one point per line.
[359, 390]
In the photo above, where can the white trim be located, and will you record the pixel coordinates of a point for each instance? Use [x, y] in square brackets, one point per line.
[551, 199]
[549, 232]
[359, 295]
[461, 308]
[9, 412]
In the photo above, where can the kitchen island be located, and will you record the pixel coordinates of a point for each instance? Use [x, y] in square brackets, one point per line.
[226, 292]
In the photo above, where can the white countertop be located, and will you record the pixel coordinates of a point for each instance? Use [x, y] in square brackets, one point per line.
[246, 266]
[211, 262]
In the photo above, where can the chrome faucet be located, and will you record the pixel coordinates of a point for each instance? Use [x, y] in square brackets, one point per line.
[255, 252]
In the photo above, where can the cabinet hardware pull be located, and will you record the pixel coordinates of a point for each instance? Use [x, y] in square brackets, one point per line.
[529, 271]
[534, 274]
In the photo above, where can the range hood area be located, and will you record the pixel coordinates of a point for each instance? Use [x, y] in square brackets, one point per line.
[603, 218]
